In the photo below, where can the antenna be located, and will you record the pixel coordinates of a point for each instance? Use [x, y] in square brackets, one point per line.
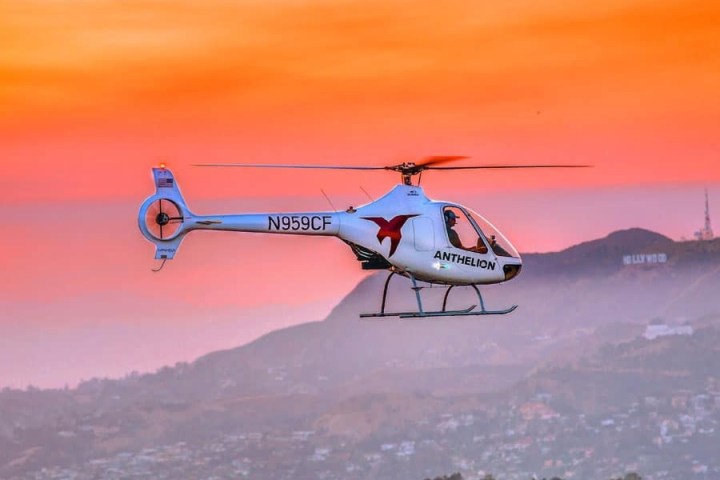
[161, 266]
[366, 193]
[707, 212]
[328, 199]
[706, 232]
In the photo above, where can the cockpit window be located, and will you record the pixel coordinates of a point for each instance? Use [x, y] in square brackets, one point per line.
[470, 231]
[461, 231]
[497, 241]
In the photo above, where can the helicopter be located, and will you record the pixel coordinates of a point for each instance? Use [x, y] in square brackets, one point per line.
[404, 232]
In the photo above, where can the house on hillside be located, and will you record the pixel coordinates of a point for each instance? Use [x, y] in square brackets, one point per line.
[654, 331]
[536, 410]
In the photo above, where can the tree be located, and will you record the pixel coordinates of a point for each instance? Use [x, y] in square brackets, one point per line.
[629, 476]
[455, 476]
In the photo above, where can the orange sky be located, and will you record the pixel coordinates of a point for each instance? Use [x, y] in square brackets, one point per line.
[94, 92]
[628, 86]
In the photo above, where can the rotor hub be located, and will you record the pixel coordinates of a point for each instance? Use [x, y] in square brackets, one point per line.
[162, 218]
[407, 170]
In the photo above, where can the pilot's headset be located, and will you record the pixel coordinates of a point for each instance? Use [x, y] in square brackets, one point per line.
[450, 215]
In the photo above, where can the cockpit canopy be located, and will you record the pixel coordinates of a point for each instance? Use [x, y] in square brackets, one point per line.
[470, 231]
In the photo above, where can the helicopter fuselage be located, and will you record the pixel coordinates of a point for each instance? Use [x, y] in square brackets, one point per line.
[403, 231]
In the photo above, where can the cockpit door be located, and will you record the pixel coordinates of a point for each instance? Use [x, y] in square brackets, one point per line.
[424, 234]
[473, 232]
[462, 233]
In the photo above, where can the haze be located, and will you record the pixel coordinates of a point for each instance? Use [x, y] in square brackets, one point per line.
[95, 93]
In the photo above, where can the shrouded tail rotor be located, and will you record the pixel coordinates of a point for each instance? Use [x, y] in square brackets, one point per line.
[163, 218]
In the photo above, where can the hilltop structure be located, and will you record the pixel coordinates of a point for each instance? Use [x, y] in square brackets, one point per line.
[706, 232]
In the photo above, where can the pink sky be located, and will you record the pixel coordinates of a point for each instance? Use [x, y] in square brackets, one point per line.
[95, 93]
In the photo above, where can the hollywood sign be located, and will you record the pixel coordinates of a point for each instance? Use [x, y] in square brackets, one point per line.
[644, 259]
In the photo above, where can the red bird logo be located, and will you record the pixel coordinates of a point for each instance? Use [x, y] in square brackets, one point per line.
[390, 229]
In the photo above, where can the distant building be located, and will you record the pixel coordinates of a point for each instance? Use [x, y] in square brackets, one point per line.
[706, 232]
[661, 330]
[536, 410]
[407, 449]
[302, 435]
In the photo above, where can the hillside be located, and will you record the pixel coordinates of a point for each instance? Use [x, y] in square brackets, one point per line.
[575, 336]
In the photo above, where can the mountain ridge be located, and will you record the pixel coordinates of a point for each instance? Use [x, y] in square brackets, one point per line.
[314, 376]
[363, 343]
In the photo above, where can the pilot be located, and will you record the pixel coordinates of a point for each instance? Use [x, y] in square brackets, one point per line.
[450, 221]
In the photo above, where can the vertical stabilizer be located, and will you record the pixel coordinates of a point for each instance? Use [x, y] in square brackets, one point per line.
[164, 218]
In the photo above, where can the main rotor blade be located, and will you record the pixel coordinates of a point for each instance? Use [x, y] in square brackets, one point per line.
[266, 165]
[490, 167]
[438, 159]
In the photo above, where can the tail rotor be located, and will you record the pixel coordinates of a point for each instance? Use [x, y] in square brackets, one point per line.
[163, 219]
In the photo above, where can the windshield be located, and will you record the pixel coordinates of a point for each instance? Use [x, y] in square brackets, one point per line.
[477, 233]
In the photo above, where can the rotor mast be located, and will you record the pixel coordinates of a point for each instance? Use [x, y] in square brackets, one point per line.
[407, 170]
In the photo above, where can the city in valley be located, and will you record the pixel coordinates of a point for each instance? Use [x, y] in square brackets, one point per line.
[608, 369]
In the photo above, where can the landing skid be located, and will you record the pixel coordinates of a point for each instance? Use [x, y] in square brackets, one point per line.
[466, 312]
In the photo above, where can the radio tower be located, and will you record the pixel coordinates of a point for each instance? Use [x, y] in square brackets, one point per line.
[706, 233]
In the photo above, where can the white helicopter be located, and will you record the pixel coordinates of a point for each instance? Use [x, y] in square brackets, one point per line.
[404, 232]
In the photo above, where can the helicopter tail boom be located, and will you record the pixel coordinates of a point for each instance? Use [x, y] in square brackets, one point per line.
[164, 219]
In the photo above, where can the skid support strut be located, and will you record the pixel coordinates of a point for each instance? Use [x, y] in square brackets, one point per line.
[470, 311]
